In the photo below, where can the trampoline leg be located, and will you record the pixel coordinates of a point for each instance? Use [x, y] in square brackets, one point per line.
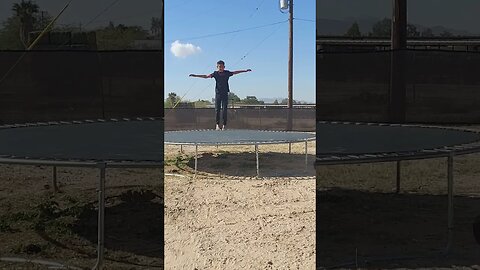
[101, 218]
[196, 158]
[55, 186]
[306, 155]
[289, 148]
[398, 176]
[256, 156]
[450, 203]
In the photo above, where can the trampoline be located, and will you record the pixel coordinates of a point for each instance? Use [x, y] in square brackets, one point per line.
[114, 143]
[211, 137]
[354, 143]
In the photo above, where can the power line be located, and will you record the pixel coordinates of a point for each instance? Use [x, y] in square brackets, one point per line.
[102, 12]
[258, 45]
[256, 9]
[306, 20]
[244, 56]
[229, 32]
[249, 17]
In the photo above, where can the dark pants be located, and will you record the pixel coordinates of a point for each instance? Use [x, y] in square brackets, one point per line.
[221, 103]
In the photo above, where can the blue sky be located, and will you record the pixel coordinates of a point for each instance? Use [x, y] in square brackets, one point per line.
[264, 50]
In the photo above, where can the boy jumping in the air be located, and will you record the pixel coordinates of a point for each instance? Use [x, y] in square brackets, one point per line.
[221, 90]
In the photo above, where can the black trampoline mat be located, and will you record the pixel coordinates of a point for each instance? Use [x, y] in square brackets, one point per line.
[361, 139]
[235, 136]
[130, 141]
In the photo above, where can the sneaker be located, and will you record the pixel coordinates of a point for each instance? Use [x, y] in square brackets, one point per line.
[217, 127]
[224, 127]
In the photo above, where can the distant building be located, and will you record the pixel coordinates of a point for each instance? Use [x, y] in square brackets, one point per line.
[147, 44]
[65, 40]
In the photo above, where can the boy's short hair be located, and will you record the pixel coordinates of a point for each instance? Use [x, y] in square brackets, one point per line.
[221, 63]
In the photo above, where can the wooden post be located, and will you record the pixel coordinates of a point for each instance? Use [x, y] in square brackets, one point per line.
[398, 57]
[290, 68]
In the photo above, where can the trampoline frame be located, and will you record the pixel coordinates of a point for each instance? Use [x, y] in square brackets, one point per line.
[255, 144]
[444, 152]
[101, 165]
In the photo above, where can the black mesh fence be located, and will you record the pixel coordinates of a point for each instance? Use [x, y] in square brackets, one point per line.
[77, 85]
[440, 86]
[261, 118]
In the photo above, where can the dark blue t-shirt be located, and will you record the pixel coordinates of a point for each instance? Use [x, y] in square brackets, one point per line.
[221, 78]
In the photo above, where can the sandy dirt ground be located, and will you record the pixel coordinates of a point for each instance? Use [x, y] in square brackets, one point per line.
[37, 224]
[226, 218]
[363, 223]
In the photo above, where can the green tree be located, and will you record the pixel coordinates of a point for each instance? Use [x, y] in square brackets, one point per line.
[412, 31]
[354, 31]
[427, 33]
[9, 38]
[233, 98]
[285, 101]
[15, 29]
[26, 12]
[202, 103]
[42, 20]
[119, 37]
[172, 100]
[445, 33]
[382, 28]
[252, 100]
[156, 26]
[275, 102]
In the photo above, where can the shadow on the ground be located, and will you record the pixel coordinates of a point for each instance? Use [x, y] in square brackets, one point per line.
[378, 230]
[134, 224]
[244, 164]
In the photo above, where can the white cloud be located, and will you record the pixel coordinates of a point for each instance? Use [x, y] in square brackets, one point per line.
[183, 50]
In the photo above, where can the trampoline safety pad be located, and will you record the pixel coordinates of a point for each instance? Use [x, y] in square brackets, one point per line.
[113, 141]
[235, 137]
[344, 142]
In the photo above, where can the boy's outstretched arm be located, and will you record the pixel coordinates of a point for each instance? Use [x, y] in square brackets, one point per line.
[240, 71]
[201, 76]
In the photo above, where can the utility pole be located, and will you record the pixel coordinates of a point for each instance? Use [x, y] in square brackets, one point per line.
[398, 92]
[399, 25]
[284, 5]
[290, 57]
